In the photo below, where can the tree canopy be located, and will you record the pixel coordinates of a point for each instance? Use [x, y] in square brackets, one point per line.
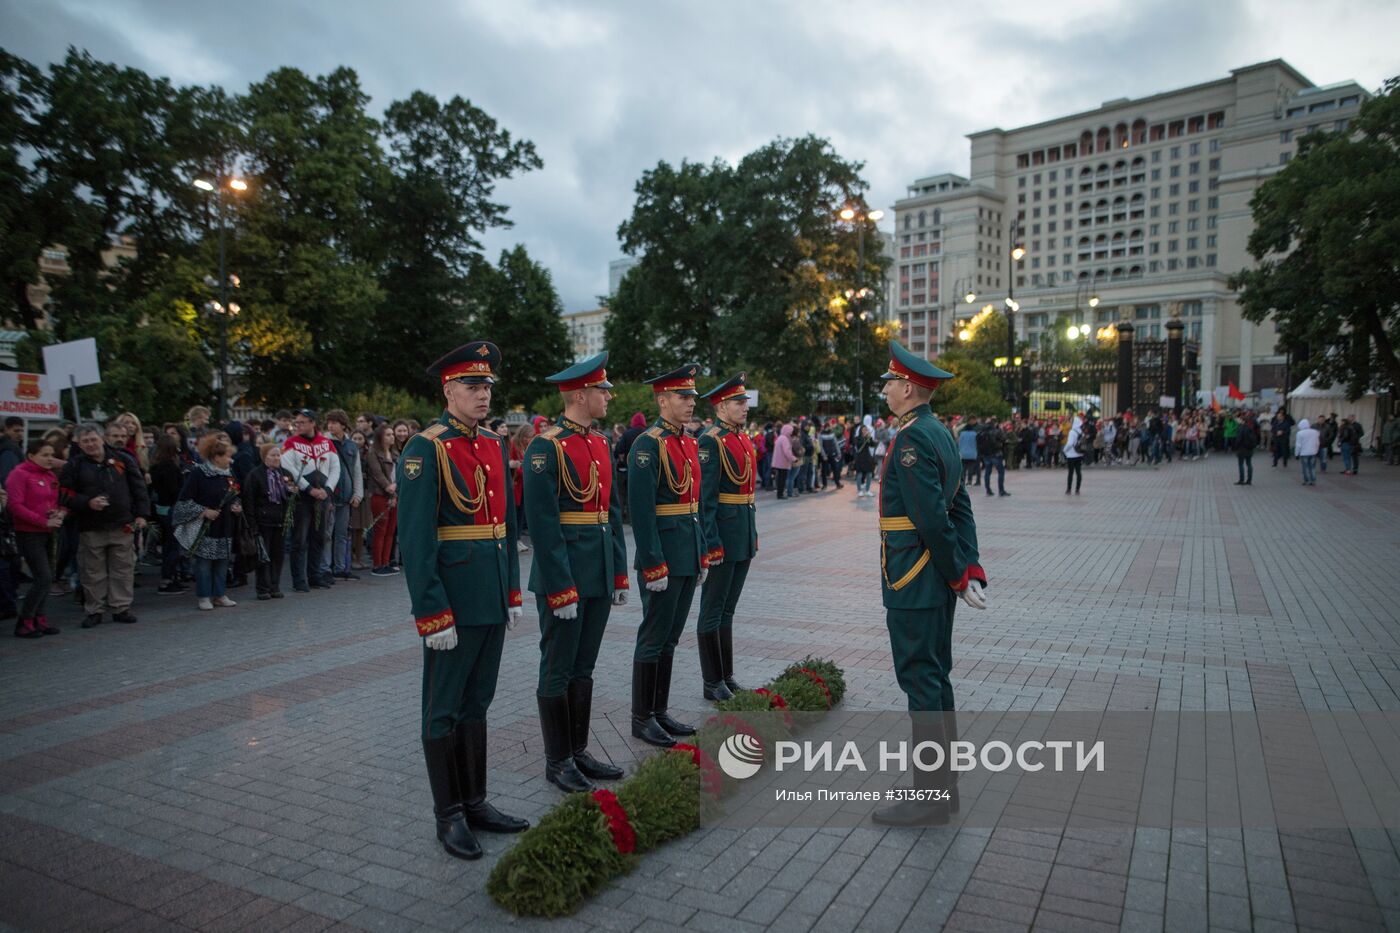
[1327, 241]
[355, 244]
[748, 266]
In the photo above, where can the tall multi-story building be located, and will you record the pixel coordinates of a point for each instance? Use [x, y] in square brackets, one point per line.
[618, 268]
[1141, 204]
[586, 331]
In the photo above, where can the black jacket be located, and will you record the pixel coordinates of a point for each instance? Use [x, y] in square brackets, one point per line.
[115, 476]
[166, 480]
[257, 505]
[10, 457]
[210, 492]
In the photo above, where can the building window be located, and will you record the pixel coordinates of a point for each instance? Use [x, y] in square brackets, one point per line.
[1210, 259]
[1215, 145]
[1195, 149]
[1157, 155]
[1214, 164]
[1284, 158]
[1176, 152]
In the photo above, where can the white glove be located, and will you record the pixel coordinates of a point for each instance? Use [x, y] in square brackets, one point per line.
[445, 640]
[567, 612]
[975, 595]
[716, 563]
[704, 572]
[619, 597]
[658, 586]
[513, 614]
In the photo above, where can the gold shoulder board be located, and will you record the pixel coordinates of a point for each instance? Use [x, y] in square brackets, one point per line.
[551, 432]
[433, 431]
[654, 431]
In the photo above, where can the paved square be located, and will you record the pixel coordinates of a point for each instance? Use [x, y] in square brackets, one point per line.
[259, 768]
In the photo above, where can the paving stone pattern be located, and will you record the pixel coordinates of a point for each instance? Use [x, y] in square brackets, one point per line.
[259, 768]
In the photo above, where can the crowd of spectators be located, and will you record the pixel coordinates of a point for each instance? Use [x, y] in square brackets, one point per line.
[313, 497]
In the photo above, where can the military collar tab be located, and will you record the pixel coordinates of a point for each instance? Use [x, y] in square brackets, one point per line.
[736, 428]
[673, 428]
[460, 426]
[573, 425]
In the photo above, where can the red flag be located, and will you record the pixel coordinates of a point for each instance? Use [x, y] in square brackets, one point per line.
[1235, 393]
[1214, 402]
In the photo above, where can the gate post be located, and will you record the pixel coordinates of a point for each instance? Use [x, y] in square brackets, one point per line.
[1174, 360]
[1125, 367]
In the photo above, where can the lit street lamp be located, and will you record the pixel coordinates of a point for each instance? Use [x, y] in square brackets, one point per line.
[223, 307]
[1018, 252]
[857, 316]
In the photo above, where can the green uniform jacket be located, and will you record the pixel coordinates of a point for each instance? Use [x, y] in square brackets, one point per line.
[572, 561]
[456, 575]
[665, 523]
[731, 527]
[928, 538]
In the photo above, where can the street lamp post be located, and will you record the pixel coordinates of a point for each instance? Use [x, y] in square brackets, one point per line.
[1017, 253]
[222, 306]
[858, 295]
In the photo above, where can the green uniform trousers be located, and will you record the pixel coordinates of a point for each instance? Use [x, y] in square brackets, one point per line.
[720, 595]
[458, 685]
[921, 641]
[569, 647]
[663, 618]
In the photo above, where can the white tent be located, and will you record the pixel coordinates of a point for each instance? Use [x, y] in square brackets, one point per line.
[1315, 403]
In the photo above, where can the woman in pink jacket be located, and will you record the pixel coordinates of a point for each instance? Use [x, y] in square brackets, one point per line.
[783, 459]
[33, 494]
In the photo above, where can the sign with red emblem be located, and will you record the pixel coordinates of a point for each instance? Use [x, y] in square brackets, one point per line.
[28, 395]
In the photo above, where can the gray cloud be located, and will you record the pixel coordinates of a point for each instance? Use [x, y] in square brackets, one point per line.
[607, 90]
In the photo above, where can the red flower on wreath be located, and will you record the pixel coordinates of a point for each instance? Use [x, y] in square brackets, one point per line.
[775, 700]
[711, 780]
[624, 837]
[816, 678]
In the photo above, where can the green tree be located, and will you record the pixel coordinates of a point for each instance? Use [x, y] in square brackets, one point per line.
[305, 237]
[974, 390]
[23, 226]
[445, 159]
[1326, 237]
[747, 263]
[515, 305]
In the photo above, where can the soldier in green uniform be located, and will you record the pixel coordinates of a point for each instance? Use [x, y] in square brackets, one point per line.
[928, 559]
[580, 568]
[457, 536]
[663, 496]
[728, 467]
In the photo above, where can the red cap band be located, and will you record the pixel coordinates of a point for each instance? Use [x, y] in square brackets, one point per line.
[928, 382]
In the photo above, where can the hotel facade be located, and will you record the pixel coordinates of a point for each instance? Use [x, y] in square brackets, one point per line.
[1138, 211]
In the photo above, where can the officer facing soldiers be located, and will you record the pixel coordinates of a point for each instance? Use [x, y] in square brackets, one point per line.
[580, 567]
[663, 492]
[928, 556]
[728, 466]
[457, 536]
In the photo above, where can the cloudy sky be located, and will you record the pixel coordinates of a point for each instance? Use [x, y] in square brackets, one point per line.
[605, 90]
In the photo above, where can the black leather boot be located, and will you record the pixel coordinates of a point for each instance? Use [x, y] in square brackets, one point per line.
[470, 749]
[711, 670]
[452, 830]
[580, 696]
[644, 725]
[726, 657]
[928, 727]
[663, 700]
[559, 767]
